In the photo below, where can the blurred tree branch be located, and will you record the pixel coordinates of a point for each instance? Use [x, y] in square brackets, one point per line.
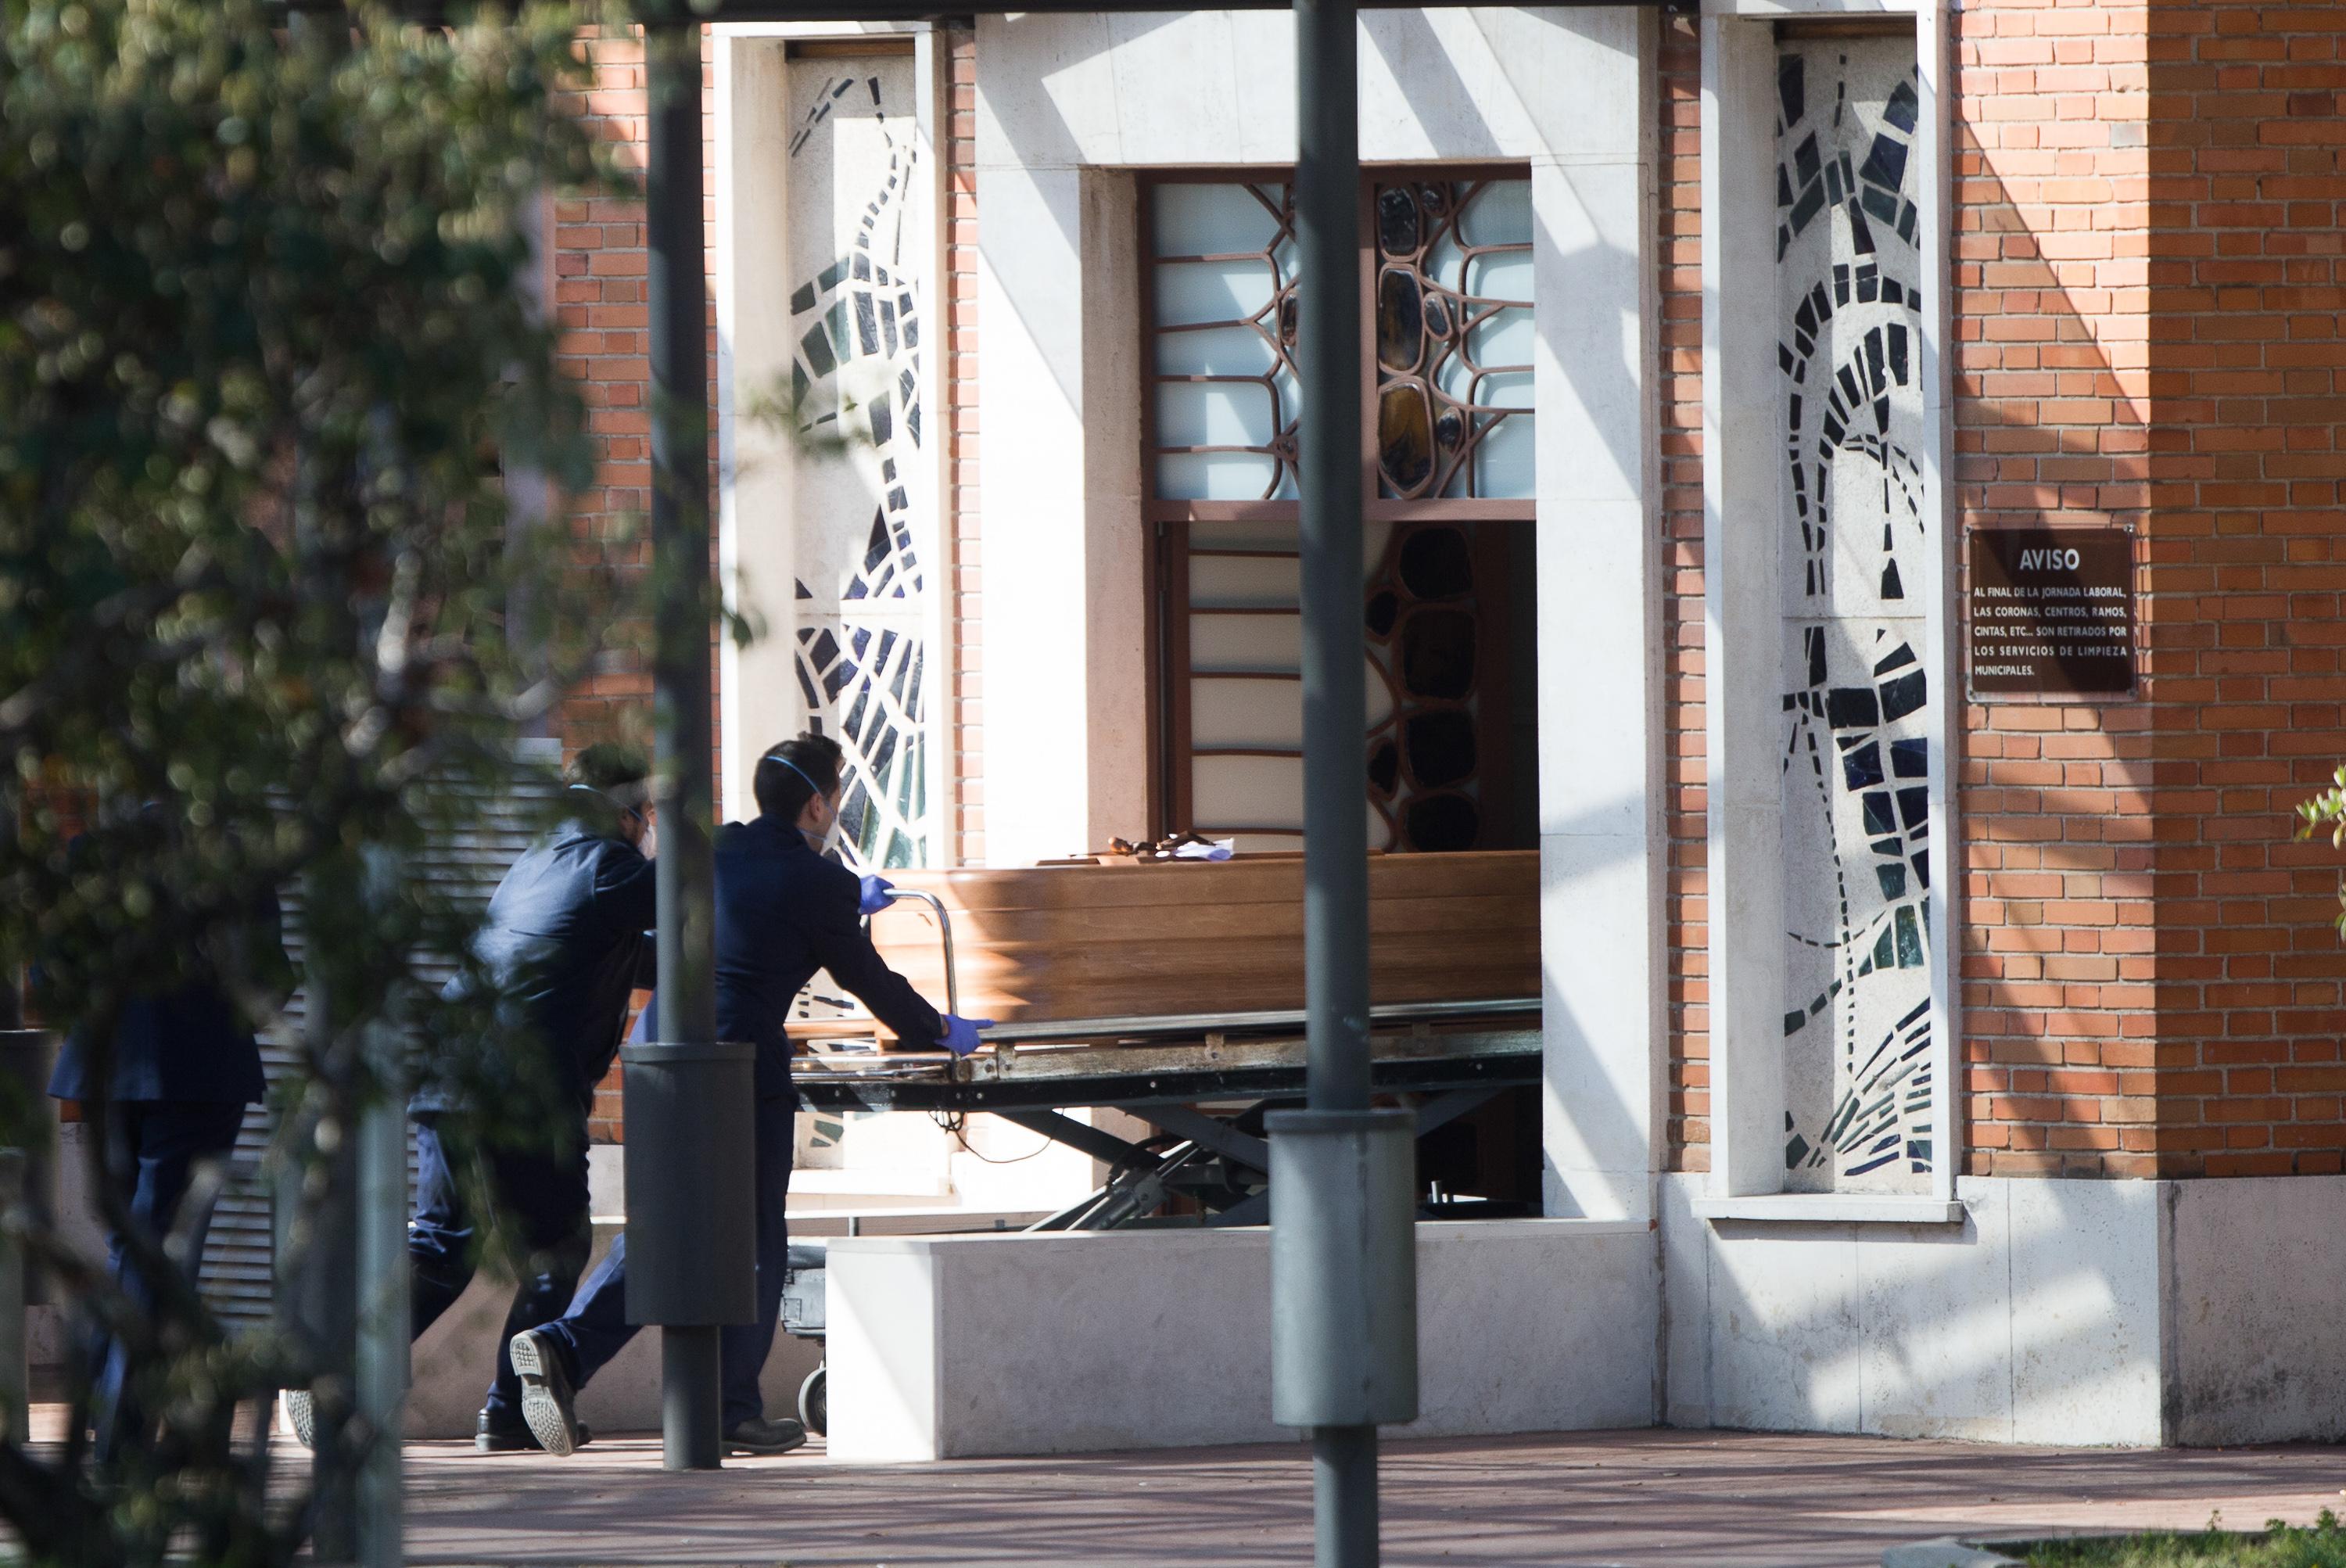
[264, 350]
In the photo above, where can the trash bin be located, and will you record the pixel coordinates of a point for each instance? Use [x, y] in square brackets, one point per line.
[690, 1182]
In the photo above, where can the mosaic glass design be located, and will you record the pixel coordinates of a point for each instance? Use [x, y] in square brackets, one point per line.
[861, 596]
[1859, 1088]
[1453, 320]
[1454, 338]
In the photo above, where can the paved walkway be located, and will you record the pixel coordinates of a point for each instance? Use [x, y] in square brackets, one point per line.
[1671, 1499]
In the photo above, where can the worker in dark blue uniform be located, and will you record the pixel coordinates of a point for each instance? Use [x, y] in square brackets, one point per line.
[564, 942]
[784, 910]
[184, 1065]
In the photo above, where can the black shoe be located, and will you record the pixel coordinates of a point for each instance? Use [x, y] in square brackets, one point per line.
[498, 1438]
[759, 1435]
[547, 1399]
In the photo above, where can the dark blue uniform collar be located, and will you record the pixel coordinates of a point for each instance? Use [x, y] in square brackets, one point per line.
[767, 834]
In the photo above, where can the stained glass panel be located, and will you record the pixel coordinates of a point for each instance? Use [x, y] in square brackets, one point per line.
[1454, 338]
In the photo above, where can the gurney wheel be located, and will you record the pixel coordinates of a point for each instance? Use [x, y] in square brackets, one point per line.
[814, 1405]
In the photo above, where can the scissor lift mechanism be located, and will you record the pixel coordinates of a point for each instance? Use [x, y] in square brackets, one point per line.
[1204, 1081]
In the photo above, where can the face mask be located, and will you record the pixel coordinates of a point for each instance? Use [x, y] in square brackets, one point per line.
[830, 844]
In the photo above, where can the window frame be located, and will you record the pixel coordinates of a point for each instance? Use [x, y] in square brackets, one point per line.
[1167, 522]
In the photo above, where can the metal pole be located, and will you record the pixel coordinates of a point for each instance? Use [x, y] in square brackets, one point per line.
[1335, 705]
[382, 1326]
[680, 668]
[326, 1295]
[322, 1302]
[690, 1367]
[1345, 1495]
[1335, 702]
[15, 1374]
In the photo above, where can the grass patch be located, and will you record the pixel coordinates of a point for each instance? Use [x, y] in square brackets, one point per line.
[2321, 1544]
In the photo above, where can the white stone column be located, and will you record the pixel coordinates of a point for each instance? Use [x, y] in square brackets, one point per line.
[1602, 852]
[1063, 616]
[758, 694]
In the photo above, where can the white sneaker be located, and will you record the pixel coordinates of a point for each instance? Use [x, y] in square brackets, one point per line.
[546, 1399]
[298, 1416]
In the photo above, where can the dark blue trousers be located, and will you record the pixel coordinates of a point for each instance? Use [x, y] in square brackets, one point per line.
[155, 1146]
[541, 1202]
[597, 1327]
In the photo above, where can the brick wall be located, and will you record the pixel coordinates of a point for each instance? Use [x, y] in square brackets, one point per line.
[2052, 414]
[1678, 246]
[2144, 295]
[2245, 574]
[966, 830]
[602, 308]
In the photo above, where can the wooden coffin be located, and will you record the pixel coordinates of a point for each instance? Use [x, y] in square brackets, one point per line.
[1119, 940]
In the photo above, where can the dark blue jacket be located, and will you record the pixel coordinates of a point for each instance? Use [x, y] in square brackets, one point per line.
[782, 912]
[187, 1043]
[565, 941]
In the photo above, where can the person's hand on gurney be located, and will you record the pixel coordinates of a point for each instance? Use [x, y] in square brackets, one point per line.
[961, 1034]
[879, 893]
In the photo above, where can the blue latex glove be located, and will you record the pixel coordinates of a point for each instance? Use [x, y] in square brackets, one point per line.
[878, 894]
[961, 1034]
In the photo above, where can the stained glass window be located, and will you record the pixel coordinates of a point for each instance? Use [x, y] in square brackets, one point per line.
[1445, 418]
[1453, 337]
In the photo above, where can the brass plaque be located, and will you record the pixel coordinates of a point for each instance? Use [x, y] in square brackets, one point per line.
[2051, 612]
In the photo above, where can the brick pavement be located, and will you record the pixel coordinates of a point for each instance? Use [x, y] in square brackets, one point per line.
[1681, 1499]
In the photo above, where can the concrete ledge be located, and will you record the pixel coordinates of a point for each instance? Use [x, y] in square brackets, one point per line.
[951, 1346]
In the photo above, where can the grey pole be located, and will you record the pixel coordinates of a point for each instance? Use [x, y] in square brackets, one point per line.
[326, 1291]
[1335, 699]
[15, 1373]
[382, 1326]
[690, 1413]
[1335, 790]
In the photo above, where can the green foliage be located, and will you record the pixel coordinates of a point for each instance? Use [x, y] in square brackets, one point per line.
[2327, 811]
[267, 620]
[2321, 1544]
